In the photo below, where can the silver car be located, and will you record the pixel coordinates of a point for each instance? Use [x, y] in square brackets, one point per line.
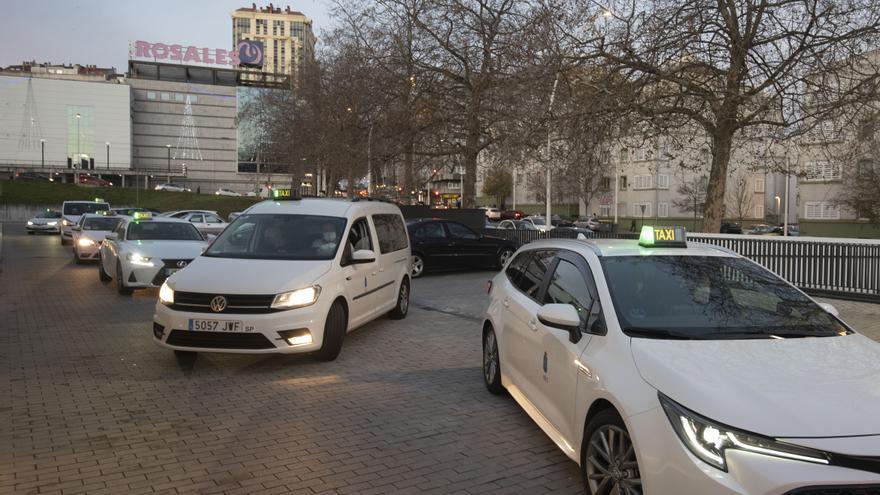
[47, 221]
[206, 222]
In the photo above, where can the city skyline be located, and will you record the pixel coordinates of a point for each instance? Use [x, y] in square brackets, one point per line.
[100, 30]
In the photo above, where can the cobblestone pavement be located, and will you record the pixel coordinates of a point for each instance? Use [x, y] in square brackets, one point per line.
[88, 404]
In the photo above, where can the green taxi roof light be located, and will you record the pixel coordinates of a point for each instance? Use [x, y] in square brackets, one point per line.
[662, 236]
[646, 238]
[99, 200]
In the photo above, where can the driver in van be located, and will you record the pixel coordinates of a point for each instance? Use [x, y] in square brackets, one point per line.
[326, 243]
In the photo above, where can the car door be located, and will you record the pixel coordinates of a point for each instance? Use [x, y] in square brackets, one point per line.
[431, 240]
[570, 282]
[198, 220]
[360, 279]
[520, 339]
[213, 224]
[392, 240]
[468, 246]
[110, 249]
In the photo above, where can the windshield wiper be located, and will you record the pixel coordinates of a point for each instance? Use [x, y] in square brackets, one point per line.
[660, 333]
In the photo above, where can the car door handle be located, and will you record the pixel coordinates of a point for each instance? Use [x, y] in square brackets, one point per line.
[533, 324]
[506, 303]
[348, 278]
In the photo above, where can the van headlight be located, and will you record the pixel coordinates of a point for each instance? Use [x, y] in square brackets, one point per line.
[297, 298]
[709, 440]
[166, 294]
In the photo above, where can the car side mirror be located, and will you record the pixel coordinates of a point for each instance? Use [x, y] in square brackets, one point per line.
[829, 308]
[113, 236]
[362, 256]
[561, 316]
[76, 228]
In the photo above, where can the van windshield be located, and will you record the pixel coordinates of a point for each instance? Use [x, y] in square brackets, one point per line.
[84, 207]
[280, 237]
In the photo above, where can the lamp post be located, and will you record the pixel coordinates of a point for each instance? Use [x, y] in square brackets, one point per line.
[168, 147]
[549, 111]
[78, 156]
[108, 154]
[777, 207]
[42, 153]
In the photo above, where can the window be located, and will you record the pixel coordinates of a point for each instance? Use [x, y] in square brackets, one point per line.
[637, 210]
[759, 211]
[390, 232]
[277, 28]
[178, 97]
[166, 96]
[662, 210]
[605, 211]
[568, 286]
[262, 23]
[209, 218]
[359, 237]
[605, 184]
[460, 231]
[193, 98]
[663, 181]
[517, 267]
[759, 185]
[242, 25]
[197, 219]
[151, 95]
[622, 181]
[169, 231]
[622, 155]
[530, 281]
[821, 210]
[433, 230]
[643, 182]
[822, 170]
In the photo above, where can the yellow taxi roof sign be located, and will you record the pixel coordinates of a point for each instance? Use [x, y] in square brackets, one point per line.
[663, 236]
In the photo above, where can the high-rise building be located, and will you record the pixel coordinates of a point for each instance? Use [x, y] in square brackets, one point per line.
[287, 36]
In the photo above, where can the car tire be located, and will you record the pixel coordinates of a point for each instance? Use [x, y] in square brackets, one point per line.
[503, 256]
[491, 362]
[102, 275]
[121, 288]
[63, 241]
[609, 460]
[402, 307]
[334, 332]
[76, 258]
[185, 354]
[418, 266]
[30, 232]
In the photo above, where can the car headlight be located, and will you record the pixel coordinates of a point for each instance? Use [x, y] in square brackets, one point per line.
[52, 224]
[166, 294]
[297, 298]
[30, 223]
[65, 222]
[84, 242]
[709, 440]
[138, 259]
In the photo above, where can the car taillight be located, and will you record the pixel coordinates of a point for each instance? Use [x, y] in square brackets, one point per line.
[488, 287]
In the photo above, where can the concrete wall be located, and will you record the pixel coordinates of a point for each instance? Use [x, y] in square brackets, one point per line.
[40, 108]
[22, 213]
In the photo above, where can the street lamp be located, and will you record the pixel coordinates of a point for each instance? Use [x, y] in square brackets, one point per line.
[168, 147]
[547, 179]
[108, 154]
[777, 206]
[42, 153]
[78, 156]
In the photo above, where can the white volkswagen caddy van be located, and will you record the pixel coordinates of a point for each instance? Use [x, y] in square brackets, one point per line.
[290, 275]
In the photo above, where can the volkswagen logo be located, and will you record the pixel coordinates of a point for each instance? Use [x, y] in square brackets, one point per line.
[182, 263]
[218, 304]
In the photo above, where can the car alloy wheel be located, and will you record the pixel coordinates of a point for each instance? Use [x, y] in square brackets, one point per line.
[418, 266]
[610, 461]
[503, 257]
[491, 363]
[402, 306]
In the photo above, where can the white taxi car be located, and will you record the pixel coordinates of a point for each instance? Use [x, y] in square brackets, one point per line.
[71, 211]
[143, 251]
[289, 276]
[46, 221]
[666, 367]
[89, 233]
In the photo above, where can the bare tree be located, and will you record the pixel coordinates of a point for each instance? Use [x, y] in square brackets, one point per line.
[693, 192]
[726, 66]
[740, 198]
[861, 177]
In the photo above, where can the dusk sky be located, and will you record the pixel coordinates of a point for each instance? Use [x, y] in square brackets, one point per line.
[98, 31]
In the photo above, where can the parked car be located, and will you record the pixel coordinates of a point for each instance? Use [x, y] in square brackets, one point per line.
[207, 223]
[763, 229]
[89, 233]
[493, 213]
[226, 192]
[512, 214]
[516, 225]
[731, 228]
[47, 221]
[558, 221]
[33, 176]
[538, 222]
[441, 244]
[171, 187]
[571, 233]
[591, 223]
[91, 180]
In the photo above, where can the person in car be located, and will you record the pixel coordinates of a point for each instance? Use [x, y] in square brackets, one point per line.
[325, 244]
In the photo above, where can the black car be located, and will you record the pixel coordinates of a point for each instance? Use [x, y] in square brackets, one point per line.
[33, 176]
[442, 244]
[731, 228]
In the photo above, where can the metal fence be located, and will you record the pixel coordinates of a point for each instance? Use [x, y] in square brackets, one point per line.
[841, 268]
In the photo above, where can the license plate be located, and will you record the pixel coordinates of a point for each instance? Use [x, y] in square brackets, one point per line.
[215, 325]
[170, 271]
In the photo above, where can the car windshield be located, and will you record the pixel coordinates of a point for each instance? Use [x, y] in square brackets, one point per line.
[83, 208]
[537, 221]
[279, 236]
[524, 225]
[49, 214]
[106, 224]
[162, 231]
[710, 297]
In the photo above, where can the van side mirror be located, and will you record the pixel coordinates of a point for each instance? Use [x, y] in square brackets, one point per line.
[76, 228]
[562, 316]
[362, 256]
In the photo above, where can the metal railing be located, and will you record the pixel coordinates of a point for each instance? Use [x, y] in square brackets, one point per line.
[839, 268]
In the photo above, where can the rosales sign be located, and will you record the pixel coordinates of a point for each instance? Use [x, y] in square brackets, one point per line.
[247, 53]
